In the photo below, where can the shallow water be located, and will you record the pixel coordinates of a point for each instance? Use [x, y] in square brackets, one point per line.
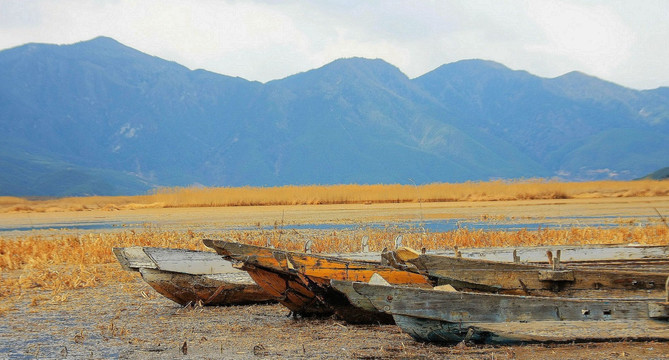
[454, 224]
[75, 225]
[442, 225]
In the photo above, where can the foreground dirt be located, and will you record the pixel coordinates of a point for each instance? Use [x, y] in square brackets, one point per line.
[131, 321]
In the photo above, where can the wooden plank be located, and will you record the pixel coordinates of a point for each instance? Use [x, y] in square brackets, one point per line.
[537, 279]
[657, 310]
[344, 309]
[133, 258]
[486, 307]
[346, 288]
[588, 255]
[430, 315]
[340, 269]
[556, 275]
[569, 253]
[189, 261]
[246, 253]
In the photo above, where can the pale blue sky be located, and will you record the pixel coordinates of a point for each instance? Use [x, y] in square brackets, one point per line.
[621, 41]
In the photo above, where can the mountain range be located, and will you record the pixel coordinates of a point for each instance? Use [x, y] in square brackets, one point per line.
[100, 118]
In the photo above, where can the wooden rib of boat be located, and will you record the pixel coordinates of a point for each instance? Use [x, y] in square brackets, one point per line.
[301, 282]
[192, 277]
[527, 279]
[452, 316]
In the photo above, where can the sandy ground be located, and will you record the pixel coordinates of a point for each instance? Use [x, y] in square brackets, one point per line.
[130, 321]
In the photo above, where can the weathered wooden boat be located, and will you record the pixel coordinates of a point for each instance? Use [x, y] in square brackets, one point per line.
[574, 255]
[615, 256]
[531, 279]
[648, 258]
[453, 316]
[301, 281]
[587, 254]
[192, 277]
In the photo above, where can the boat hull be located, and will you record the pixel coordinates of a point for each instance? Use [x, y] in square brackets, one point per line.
[192, 277]
[301, 282]
[211, 290]
[435, 331]
[289, 290]
[448, 317]
[540, 280]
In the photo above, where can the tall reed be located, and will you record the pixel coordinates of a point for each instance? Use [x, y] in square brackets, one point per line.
[346, 194]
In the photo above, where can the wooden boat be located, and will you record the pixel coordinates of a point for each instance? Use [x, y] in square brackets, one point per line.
[601, 255]
[649, 257]
[192, 277]
[532, 279]
[301, 281]
[452, 316]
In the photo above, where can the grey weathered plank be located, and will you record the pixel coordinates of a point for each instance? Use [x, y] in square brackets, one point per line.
[189, 261]
[487, 307]
[346, 288]
[431, 315]
[133, 258]
[614, 255]
[569, 253]
[538, 279]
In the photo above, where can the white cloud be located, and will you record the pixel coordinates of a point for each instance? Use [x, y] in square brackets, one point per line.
[590, 38]
[618, 40]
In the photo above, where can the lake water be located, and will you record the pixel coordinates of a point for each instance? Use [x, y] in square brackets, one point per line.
[442, 225]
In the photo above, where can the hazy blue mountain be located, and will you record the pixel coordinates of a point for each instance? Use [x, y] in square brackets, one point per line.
[662, 174]
[98, 117]
[576, 126]
[99, 104]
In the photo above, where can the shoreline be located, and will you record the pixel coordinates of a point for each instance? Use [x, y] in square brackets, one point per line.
[584, 210]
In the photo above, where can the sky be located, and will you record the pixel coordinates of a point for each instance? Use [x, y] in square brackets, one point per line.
[623, 41]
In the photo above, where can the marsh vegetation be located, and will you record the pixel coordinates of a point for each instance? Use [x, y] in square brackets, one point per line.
[345, 194]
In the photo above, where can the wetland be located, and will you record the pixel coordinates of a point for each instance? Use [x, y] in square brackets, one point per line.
[72, 300]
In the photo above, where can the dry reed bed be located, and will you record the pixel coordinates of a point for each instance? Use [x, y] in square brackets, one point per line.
[345, 194]
[62, 262]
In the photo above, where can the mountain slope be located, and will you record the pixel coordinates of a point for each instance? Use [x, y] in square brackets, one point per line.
[662, 174]
[100, 104]
[98, 117]
[550, 119]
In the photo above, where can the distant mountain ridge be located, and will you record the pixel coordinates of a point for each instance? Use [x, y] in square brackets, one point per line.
[98, 117]
[662, 174]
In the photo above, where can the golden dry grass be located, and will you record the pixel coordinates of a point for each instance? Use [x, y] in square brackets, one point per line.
[68, 262]
[62, 262]
[345, 194]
